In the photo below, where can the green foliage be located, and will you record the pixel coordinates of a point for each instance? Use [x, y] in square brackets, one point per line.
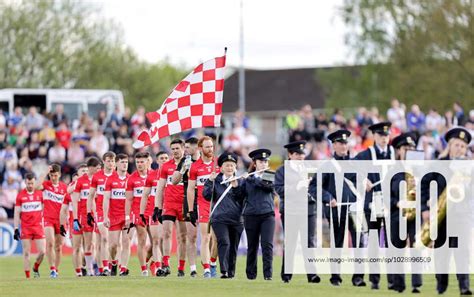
[68, 44]
[418, 51]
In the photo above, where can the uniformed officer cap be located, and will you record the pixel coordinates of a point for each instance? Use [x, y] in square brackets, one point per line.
[404, 139]
[226, 157]
[341, 135]
[459, 133]
[260, 154]
[382, 128]
[295, 147]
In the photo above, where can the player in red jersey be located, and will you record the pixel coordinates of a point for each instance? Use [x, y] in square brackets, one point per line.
[54, 193]
[114, 215]
[169, 200]
[135, 184]
[198, 175]
[66, 219]
[29, 213]
[147, 204]
[95, 205]
[79, 205]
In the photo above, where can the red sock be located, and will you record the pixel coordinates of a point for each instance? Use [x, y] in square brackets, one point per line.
[105, 263]
[182, 263]
[152, 267]
[166, 260]
[27, 273]
[157, 265]
[52, 268]
[206, 265]
[101, 269]
[213, 260]
[36, 266]
[79, 271]
[143, 267]
[123, 269]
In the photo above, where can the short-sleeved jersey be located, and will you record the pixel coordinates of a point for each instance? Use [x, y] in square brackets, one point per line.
[53, 197]
[152, 183]
[172, 193]
[200, 173]
[117, 187]
[98, 183]
[136, 184]
[31, 208]
[83, 185]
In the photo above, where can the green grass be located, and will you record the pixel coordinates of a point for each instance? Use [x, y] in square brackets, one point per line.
[13, 283]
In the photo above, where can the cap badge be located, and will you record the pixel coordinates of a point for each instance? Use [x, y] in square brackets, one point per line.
[462, 134]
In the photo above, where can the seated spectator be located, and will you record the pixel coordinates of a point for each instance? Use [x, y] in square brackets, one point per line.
[75, 155]
[59, 116]
[63, 135]
[47, 134]
[396, 114]
[416, 119]
[17, 117]
[57, 154]
[99, 143]
[34, 120]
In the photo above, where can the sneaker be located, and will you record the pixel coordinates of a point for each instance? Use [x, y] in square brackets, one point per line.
[84, 271]
[124, 273]
[53, 274]
[144, 272]
[36, 273]
[193, 273]
[181, 273]
[106, 272]
[160, 272]
[114, 270]
[167, 270]
[207, 274]
[213, 271]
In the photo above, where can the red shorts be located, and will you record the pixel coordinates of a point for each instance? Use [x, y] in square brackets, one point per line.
[99, 217]
[204, 210]
[137, 220]
[117, 224]
[32, 232]
[48, 222]
[173, 210]
[84, 225]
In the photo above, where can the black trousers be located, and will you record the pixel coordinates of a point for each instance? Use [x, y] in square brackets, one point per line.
[259, 229]
[311, 243]
[228, 238]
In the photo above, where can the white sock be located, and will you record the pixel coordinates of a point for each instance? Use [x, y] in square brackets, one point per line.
[207, 270]
[213, 263]
[192, 267]
[89, 261]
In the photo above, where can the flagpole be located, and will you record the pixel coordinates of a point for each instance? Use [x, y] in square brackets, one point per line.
[216, 151]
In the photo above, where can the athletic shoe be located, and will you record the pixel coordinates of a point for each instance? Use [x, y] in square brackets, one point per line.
[144, 272]
[36, 274]
[181, 273]
[84, 271]
[160, 272]
[106, 272]
[207, 274]
[124, 273]
[114, 270]
[213, 271]
[193, 273]
[167, 270]
[53, 274]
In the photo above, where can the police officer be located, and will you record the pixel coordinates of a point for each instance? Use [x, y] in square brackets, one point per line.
[458, 140]
[401, 144]
[296, 153]
[226, 214]
[381, 150]
[259, 214]
[339, 140]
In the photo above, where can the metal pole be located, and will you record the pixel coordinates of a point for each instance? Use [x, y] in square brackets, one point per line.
[241, 67]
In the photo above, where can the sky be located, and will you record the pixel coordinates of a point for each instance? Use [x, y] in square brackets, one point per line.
[277, 34]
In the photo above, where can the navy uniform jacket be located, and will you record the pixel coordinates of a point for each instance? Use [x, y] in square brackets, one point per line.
[229, 210]
[375, 177]
[258, 196]
[280, 190]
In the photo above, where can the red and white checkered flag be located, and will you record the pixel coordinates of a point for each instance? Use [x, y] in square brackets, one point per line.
[196, 102]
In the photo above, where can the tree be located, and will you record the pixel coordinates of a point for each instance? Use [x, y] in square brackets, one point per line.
[68, 44]
[420, 51]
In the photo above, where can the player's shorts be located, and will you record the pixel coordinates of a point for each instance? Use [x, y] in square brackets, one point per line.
[117, 224]
[49, 222]
[137, 220]
[84, 225]
[204, 210]
[173, 210]
[32, 232]
[99, 217]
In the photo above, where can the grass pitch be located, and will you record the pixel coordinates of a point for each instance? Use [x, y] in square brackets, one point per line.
[14, 283]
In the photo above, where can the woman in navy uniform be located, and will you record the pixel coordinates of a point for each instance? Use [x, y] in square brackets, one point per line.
[259, 215]
[296, 153]
[381, 150]
[402, 143]
[226, 214]
[458, 140]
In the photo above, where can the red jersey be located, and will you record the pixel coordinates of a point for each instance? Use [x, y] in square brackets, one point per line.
[173, 193]
[151, 182]
[83, 185]
[98, 183]
[135, 184]
[53, 197]
[31, 208]
[116, 186]
[200, 173]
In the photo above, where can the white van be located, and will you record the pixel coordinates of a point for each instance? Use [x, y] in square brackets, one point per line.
[75, 101]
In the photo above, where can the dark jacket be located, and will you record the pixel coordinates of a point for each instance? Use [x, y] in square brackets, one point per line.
[229, 210]
[258, 196]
